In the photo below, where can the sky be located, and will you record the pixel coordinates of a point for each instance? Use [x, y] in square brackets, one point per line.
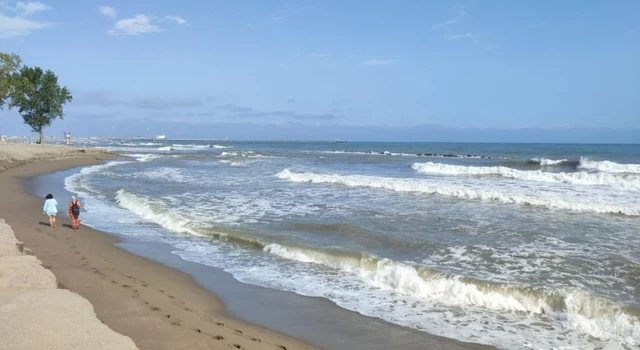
[478, 71]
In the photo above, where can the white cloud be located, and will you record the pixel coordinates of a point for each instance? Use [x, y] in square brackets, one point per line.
[376, 62]
[108, 11]
[19, 26]
[467, 35]
[140, 24]
[29, 8]
[444, 24]
[177, 19]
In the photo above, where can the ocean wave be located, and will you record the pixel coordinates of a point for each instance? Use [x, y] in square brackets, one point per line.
[73, 183]
[626, 182]
[426, 154]
[194, 146]
[247, 154]
[500, 195]
[155, 212]
[140, 157]
[234, 163]
[589, 314]
[552, 162]
[568, 313]
[608, 166]
[150, 144]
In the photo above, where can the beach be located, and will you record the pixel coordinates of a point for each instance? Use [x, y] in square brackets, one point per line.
[156, 306]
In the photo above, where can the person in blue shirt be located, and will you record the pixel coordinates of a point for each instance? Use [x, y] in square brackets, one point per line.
[50, 209]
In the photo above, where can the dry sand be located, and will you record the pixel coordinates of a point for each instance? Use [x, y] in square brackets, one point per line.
[155, 306]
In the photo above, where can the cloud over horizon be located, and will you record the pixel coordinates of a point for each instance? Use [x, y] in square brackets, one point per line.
[106, 99]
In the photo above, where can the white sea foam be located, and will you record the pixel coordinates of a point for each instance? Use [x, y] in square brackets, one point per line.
[140, 157]
[150, 144]
[165, 148]
[608, 166]
[568, 310]
[548, 162]
[512, 195]
[196, 147]
[145, 209]
[626, 182]
[74, 183]
[164, 174]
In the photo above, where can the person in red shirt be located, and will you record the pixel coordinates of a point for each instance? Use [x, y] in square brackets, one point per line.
[74, 212]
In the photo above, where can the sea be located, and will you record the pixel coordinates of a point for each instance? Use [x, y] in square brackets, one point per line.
[520, 246]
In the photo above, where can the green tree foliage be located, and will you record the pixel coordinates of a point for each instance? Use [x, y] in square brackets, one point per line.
[9, 64]
[39, 98]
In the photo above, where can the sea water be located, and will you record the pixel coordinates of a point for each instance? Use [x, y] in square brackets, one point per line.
[512, 245]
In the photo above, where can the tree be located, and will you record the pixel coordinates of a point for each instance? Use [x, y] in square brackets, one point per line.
[38, 97]
[9, 64]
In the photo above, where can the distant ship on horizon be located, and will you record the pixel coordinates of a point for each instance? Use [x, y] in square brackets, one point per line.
[160, 138]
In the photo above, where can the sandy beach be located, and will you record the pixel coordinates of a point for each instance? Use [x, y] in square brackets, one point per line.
[155, 306]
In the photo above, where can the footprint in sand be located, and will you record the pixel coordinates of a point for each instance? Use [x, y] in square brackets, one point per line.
[218, 337]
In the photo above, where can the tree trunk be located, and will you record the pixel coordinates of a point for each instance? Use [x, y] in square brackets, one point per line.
[41, 137]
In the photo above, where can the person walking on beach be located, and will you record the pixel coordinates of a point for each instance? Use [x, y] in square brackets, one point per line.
[50, 209]
[74, 212]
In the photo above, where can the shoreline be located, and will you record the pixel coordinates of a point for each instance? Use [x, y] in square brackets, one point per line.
[154, 315]
[156, 306]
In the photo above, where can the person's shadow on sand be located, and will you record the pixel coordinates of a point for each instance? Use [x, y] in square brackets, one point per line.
[42, 223]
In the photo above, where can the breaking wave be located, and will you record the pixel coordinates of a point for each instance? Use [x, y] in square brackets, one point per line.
[626, 182]
[565, 309]
[172, 221]
[140, 157]
[426, 154]
[544, 162]
[608, 166]
[569, 314]
[500, 195]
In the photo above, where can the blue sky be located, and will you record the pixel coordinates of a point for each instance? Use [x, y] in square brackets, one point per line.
[374, 70]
